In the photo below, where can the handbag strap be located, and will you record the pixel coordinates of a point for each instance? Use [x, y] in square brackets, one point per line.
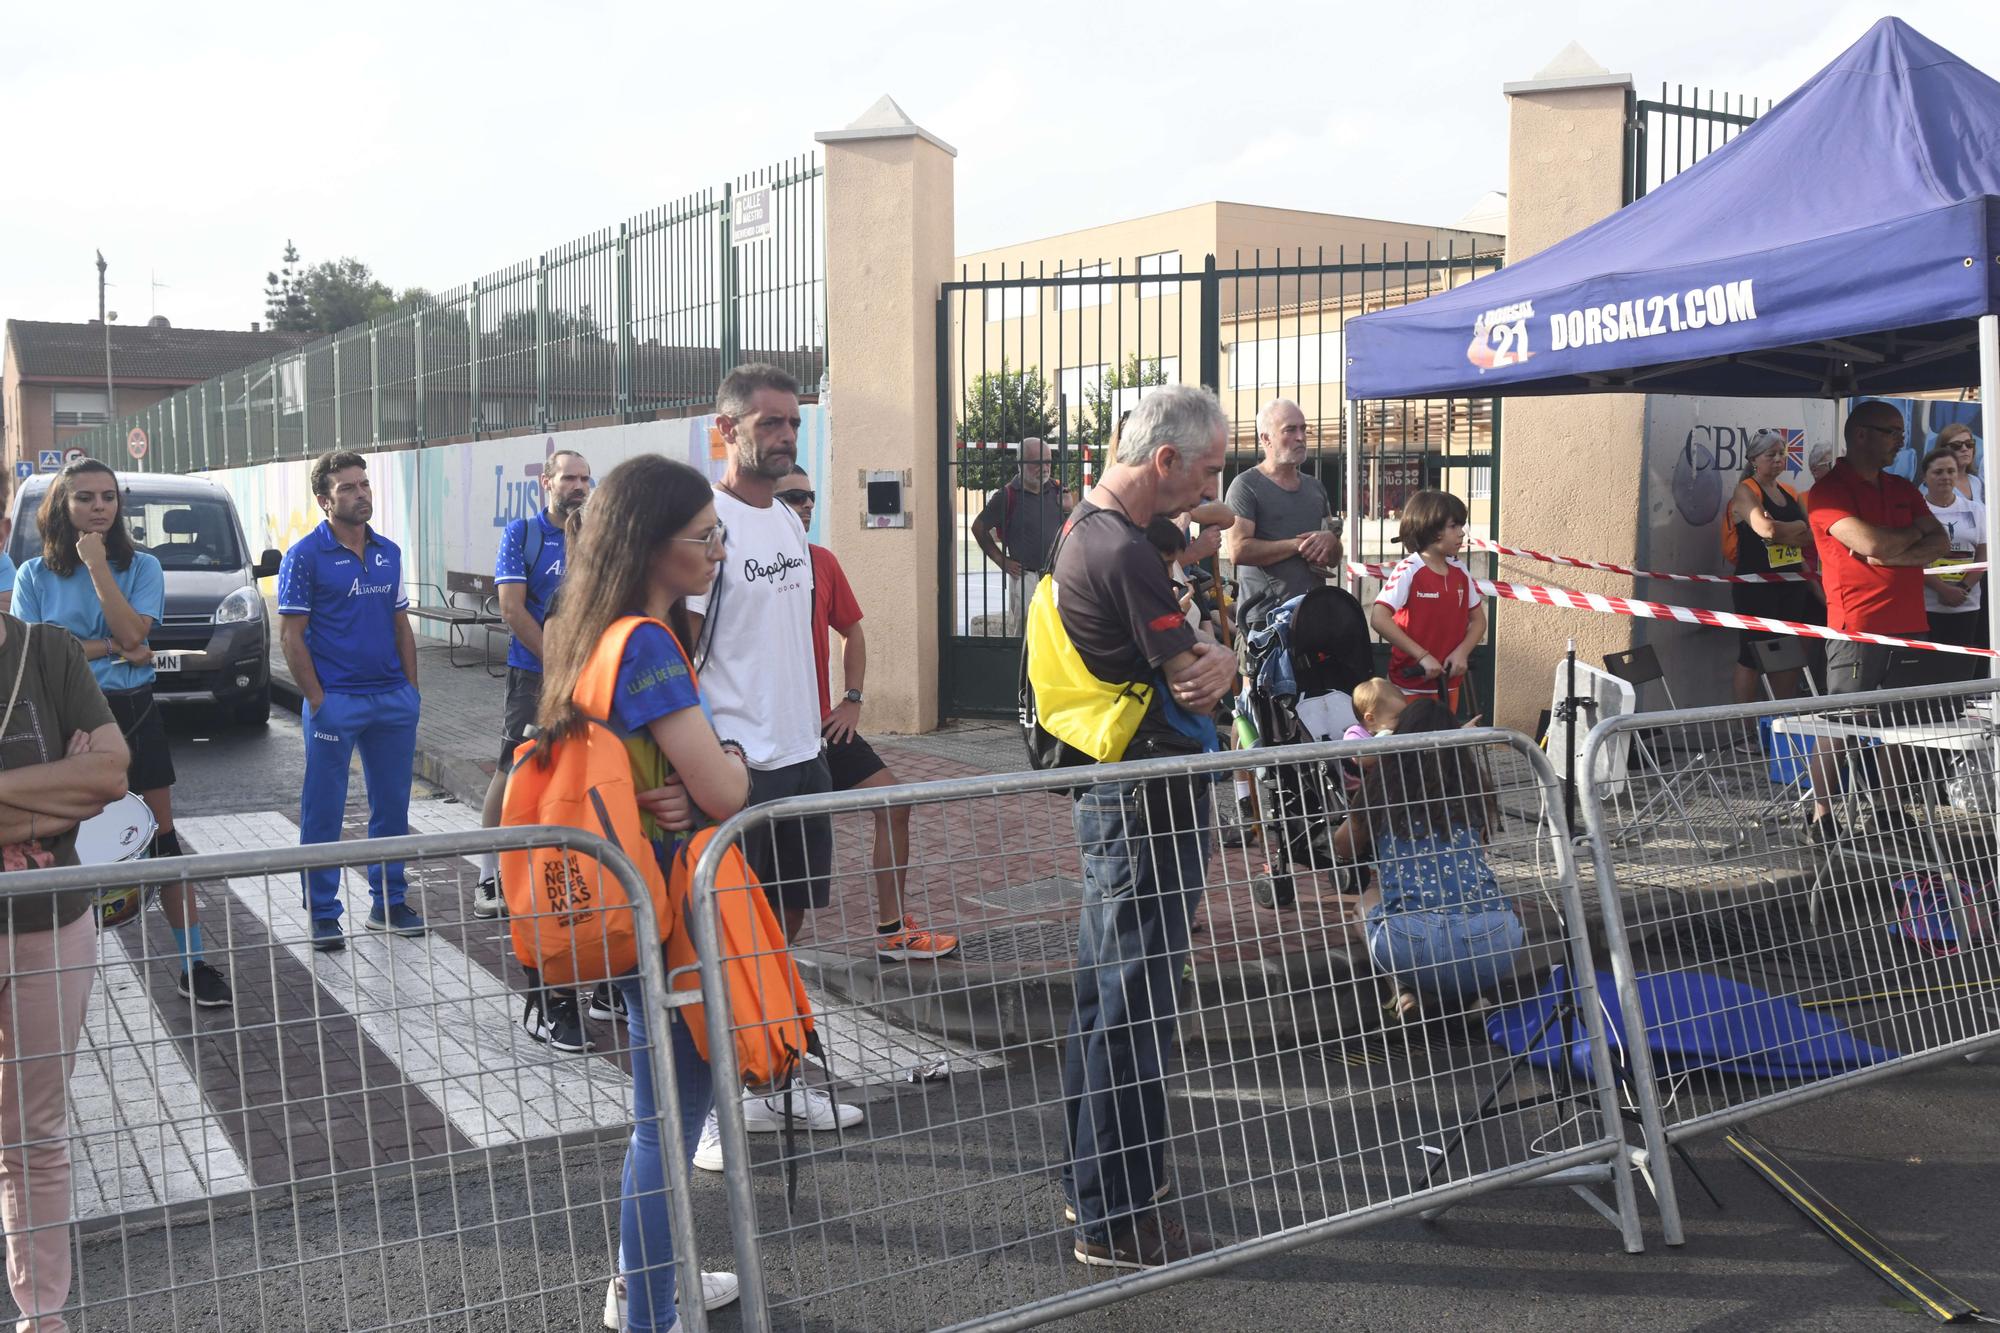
[27, 644]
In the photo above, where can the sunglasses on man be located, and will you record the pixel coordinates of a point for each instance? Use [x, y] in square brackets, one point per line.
[799, 499]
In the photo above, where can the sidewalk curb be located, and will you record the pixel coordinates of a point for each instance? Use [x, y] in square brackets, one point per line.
[1274, 1002]
[464, 780]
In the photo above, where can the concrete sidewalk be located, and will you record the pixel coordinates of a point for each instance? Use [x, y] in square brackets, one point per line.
[1255, 973]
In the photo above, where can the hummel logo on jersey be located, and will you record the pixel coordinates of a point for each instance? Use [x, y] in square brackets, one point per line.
[1428, 596]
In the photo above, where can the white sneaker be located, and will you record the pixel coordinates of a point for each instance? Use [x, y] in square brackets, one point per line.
[806, 1108]
[486, 899]
[717, 1290]
[708, 1153]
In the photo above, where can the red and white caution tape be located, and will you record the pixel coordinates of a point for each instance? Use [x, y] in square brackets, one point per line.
[1575, 562]
[1572, 600]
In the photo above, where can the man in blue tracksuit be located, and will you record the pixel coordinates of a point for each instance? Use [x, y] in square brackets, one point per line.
[348, 642]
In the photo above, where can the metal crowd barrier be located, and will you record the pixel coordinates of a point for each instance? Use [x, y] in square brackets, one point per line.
[1295, 1107]
[1762, 960]
[367, 1139]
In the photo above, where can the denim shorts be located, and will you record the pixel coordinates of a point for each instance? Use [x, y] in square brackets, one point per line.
[1447, 952]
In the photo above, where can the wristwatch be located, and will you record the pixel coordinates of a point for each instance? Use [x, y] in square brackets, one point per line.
[852, 696]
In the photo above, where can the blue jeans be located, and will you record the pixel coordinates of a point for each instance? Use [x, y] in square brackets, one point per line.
[645, 1228]
[385, 727]
[1454, 954]
[1145, 847]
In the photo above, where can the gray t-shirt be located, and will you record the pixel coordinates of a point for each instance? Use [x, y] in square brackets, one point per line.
[1278, 514]
[1026, 522]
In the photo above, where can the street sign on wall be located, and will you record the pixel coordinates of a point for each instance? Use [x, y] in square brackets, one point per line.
[49, 460]
[135, 443]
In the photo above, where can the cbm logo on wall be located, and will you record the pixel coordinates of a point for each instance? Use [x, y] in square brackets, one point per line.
[1710, 462]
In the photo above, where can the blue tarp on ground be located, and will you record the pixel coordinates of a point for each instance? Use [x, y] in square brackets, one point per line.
[1694, 1020]
[1841, 245]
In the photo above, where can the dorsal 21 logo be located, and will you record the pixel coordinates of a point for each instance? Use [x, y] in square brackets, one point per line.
[1500, 337]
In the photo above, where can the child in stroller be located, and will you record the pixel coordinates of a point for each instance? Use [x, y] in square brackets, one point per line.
[1300, 671]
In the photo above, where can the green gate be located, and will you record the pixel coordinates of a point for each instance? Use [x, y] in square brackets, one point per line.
[1061, 353]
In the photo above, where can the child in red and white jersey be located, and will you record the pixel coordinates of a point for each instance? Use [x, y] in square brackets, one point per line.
[1428, 609]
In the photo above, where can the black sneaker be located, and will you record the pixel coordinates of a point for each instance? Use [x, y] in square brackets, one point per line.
[206, 987]
[550, 1017]
[486, 902]
[1152, 1241]
[1893, 821]
[606, 1003]
[1822, 829]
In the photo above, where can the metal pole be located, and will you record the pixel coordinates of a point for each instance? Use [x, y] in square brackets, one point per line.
[1350, 446]
[1989, 411]
[110, 390]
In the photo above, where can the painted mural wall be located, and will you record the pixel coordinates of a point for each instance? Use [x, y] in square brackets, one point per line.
[447, 505]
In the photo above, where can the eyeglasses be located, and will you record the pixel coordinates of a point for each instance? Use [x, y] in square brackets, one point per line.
[799, 499]
[717, 538]
[1894, 432]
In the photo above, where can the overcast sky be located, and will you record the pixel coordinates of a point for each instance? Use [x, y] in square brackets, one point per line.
[438, 142]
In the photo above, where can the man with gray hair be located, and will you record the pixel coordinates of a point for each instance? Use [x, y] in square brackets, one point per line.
[1284, 541]
[1144, 844]
[1017, 528]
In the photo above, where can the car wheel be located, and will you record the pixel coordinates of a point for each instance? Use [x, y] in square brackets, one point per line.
[254, 711]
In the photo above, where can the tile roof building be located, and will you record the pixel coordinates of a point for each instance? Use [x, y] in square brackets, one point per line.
[52, 375]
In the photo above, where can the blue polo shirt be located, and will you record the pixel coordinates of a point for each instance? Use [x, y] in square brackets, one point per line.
[517, 549]
[43, 596]
[6, 572]
[352, 631]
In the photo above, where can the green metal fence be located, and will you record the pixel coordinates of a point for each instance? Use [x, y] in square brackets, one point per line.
[613, 326]
[1665, 138]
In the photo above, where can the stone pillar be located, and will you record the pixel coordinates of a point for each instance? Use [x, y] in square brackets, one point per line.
[1570, 467]
[889, 243]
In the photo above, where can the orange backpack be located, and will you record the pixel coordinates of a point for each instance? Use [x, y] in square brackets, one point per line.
[571, 920]
[768, 1006]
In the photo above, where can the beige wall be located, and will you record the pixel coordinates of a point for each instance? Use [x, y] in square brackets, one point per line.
[888, 246]
[1572, 466]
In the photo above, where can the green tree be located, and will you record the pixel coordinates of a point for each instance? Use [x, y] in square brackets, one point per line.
[329, 296]
[1002, 406]
[284, 303]
[340, 293]
[1090, 427]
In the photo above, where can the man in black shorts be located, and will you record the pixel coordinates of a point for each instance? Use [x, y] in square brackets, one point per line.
[851, 761]
[527, 572]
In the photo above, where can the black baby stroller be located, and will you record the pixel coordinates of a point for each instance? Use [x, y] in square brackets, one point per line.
[1300, 670]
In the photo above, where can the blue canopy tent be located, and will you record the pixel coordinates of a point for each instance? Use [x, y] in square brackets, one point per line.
[1847, 243]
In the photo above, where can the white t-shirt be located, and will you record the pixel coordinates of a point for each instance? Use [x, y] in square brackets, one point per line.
[758, 679]
[1964, 521]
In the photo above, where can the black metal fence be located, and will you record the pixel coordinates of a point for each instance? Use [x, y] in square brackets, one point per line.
[614, 326]
[1060, 355]
[1664, 138]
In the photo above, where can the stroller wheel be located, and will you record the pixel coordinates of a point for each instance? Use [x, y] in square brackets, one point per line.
[1274, 892]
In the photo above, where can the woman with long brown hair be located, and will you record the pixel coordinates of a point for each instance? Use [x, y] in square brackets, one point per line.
[650, 540]
[90, 580]
[1436, 918]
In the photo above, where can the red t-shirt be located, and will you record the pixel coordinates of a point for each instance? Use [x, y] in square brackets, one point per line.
[1861, 596]
[1434, 609]
[833, 607]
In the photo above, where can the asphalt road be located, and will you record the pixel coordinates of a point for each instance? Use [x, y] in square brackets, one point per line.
[1916, 1159]
[224, 768]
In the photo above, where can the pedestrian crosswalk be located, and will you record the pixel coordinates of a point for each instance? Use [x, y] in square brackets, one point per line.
[325, 1052]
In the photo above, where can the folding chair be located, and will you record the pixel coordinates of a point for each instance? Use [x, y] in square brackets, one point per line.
[1792, 789]
[1638, 668]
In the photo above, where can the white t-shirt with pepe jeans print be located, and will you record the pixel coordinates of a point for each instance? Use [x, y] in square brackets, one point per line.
[759, 676]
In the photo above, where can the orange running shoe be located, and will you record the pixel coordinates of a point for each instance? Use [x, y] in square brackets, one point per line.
[913, 941]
